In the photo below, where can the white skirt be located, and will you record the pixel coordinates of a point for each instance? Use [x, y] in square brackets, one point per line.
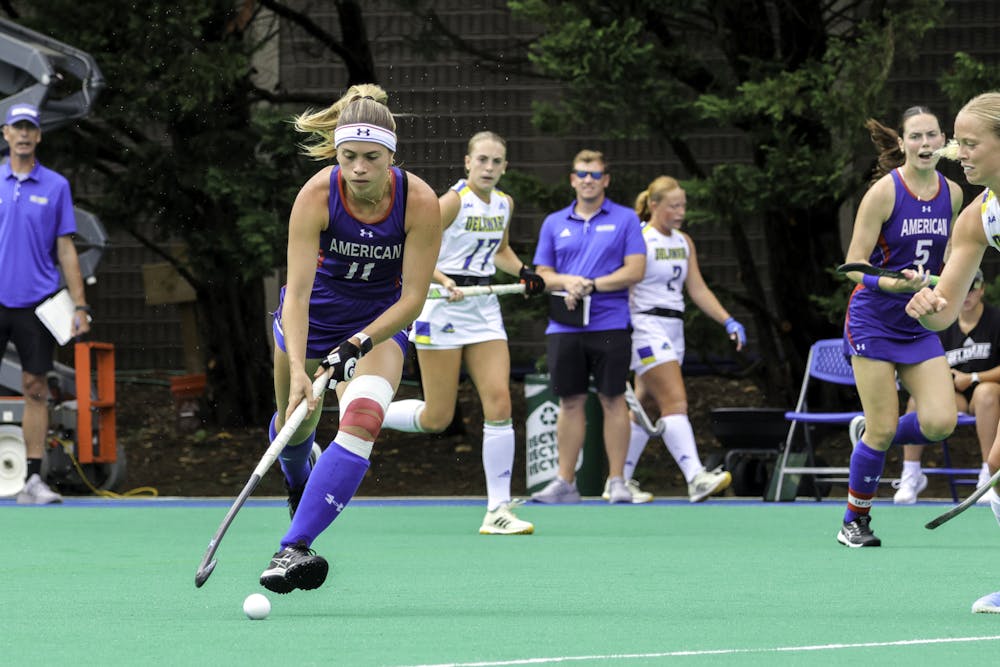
[656, 340]
[442, 325]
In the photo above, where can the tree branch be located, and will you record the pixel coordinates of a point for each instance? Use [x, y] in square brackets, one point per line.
[435, 29]
[290, 97]
[360, 68]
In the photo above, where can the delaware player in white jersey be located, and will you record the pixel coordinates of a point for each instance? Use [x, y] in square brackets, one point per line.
[475, 216]
[656, 304]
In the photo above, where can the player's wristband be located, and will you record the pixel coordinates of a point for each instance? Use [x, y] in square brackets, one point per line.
[974, 377]
[365, 343]
[871, 282]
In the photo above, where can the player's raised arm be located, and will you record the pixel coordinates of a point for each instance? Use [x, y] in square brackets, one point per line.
[937, 308]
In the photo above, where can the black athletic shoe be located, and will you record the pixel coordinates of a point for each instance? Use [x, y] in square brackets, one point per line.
[858, 533]
[295, 566]
[295, 494]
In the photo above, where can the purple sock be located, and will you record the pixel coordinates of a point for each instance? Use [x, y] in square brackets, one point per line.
[866, 471]
[908, 431]
[294, 458]
[331, 486]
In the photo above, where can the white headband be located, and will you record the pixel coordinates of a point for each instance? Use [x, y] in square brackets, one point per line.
[365, 132]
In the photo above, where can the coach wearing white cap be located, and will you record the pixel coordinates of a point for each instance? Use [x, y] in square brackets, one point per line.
[36, 228]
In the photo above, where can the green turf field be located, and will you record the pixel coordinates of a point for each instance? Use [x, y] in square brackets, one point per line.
[723, 583]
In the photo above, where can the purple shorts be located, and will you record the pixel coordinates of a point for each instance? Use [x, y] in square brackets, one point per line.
[312, 346]
[898, 351]
[334, 318]
[877, 327]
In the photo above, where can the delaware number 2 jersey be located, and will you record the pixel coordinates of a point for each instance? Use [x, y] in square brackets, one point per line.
[662, 286]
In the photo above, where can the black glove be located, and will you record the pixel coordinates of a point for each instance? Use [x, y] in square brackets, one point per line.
[533, 283]
[344, 358]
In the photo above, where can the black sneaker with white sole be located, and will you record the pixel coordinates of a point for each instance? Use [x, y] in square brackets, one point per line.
[858, 533]
[295, 566]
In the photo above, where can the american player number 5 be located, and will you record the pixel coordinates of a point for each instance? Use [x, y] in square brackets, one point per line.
[922, 253]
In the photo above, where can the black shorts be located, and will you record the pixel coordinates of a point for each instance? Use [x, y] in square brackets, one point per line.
[574, 357]
[35, 345]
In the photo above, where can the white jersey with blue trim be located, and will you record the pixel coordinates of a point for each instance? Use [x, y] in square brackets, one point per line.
[990, 210]
[470, 242]
[662, 286]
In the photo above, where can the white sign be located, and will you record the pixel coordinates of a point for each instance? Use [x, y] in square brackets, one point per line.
[542, 445]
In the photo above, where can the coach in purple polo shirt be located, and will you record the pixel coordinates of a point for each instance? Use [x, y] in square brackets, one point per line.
[36, 227]
[592, 250]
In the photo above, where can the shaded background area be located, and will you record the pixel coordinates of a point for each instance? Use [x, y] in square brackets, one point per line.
[163, 452]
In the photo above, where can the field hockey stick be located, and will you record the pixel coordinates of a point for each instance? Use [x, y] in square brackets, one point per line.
[636, 407]
[870, 270]
[965, 504]
[208, 563]
[478, 290]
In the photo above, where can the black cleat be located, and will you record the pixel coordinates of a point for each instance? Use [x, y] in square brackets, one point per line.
[858, 533]
[295, 494]
[295, 566]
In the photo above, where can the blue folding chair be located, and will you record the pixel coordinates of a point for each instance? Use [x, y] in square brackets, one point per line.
[827, 363]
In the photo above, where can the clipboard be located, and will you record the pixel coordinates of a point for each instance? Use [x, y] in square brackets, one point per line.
[57, 313]
[558, 312]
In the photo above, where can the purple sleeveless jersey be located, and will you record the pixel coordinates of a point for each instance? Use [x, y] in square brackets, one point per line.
[359, 270]
[916, 233]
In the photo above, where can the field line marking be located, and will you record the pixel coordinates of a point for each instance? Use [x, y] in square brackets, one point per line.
[722, 651]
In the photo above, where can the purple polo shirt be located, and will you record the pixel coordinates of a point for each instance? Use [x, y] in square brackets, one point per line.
[33, 214]
[592, 249]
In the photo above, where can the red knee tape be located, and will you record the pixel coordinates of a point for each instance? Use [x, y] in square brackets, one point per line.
[363, 413]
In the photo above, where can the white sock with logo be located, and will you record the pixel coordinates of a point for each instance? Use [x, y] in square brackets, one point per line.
[498, 461]
[678, 436]
[636, 444]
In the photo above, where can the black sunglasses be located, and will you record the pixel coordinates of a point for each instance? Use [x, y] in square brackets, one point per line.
[596, 175]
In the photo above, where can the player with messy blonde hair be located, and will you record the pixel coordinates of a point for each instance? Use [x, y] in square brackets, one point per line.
[362, 239]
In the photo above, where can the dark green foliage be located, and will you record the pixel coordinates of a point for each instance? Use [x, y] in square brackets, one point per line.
[795, 78]
[179, 149]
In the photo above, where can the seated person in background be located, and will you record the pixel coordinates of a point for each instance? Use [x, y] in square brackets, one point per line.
[972, 347]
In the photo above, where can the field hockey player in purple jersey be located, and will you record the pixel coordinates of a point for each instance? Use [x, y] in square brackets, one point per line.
[362, 240]
[902, 224]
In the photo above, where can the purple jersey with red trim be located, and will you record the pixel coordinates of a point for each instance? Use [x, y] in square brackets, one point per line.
[359, 272]
[915, 234]
[359, 256]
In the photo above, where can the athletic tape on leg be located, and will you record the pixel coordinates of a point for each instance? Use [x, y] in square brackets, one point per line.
[363, 405]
